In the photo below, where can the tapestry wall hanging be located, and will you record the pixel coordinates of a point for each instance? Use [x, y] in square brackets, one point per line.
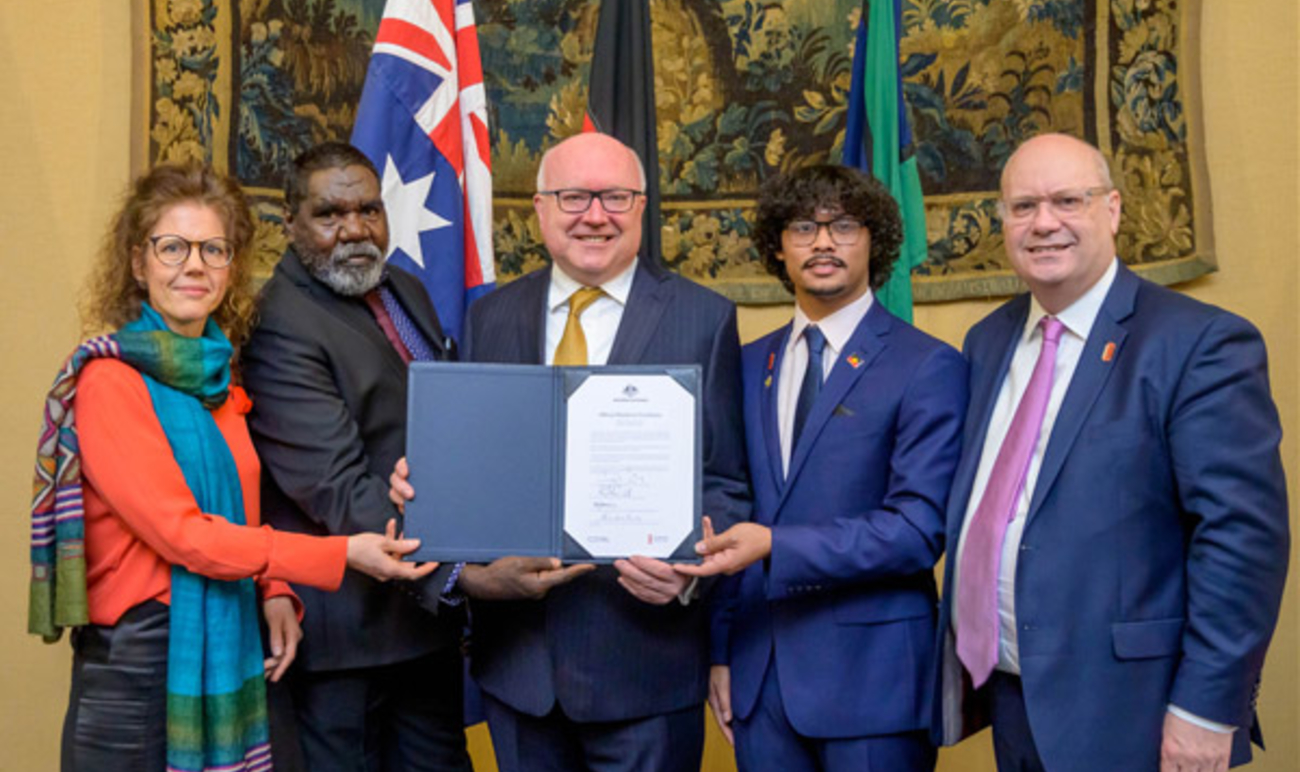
[744, 89]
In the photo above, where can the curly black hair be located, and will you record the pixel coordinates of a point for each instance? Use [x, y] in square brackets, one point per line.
[800, 193]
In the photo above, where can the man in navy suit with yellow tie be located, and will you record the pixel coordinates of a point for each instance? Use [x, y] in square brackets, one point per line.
[823, 658]
[602, 670]
[1118, 529]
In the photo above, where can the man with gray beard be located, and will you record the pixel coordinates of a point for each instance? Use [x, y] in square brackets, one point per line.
[378, 678]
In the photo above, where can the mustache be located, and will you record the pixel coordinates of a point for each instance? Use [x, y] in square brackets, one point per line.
[345, 252]
[832, 259]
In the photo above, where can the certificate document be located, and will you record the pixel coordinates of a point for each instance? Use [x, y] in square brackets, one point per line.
[587, 464]
[629, 484]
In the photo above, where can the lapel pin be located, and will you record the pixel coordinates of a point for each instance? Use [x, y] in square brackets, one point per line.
[1108, 353]
[854, 361]
[767, 382]
[771, 360]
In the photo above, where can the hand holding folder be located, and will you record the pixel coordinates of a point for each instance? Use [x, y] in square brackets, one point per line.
[513, 577]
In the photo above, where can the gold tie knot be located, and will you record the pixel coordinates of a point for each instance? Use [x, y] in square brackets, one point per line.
[584, 297]
[572, 349]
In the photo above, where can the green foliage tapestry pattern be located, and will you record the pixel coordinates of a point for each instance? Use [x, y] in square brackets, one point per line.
[745, 89]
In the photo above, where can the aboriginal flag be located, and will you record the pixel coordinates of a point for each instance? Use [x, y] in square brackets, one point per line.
[621, 99]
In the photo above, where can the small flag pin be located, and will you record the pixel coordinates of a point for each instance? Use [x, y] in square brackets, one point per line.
[854, 361]
[1108, 353]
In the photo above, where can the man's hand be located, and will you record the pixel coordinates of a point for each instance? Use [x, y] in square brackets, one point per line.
[399, 485]
[720, 699]
[1189, 748]
[649, 580]
[378, 555]
[517, 578]
[283, 634]
[731, 551]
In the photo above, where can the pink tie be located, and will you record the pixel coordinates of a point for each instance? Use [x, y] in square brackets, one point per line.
[977, 590]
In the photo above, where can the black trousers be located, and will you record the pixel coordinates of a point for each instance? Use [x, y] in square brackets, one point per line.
[668, 742]
[117, 710]
[1013, 742]
[403, 717]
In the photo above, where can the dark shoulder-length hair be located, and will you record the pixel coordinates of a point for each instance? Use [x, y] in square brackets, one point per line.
[113, 297]
[800, 193]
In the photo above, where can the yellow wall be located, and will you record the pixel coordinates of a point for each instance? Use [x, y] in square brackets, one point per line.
[64, 137]
[64, 124]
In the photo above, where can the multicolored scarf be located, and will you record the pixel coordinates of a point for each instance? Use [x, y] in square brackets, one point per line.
[216, 698]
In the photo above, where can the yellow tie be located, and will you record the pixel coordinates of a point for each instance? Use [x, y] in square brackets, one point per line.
[573, 344]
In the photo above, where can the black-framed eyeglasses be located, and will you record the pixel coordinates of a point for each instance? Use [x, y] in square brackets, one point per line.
[578, 200]
[172, 250]
[1062, 203]
[845, 231]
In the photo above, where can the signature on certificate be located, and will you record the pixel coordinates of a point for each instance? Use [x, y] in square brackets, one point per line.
[625, 486]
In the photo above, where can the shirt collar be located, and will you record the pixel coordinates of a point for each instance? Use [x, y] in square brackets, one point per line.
[1080, 315]
[563, 286]
[839, 326]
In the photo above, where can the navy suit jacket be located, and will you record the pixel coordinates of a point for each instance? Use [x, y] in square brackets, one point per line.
[329, 422]
[591, 646]
[846, 602]
[1155, 546]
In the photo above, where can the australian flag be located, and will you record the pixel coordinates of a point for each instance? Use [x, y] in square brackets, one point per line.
[422, 120]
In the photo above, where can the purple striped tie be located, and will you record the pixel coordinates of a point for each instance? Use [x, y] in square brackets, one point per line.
[981, 557]
[407, 332]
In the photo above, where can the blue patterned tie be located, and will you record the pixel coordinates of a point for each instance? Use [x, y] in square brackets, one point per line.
[812, 381]
[406, 329]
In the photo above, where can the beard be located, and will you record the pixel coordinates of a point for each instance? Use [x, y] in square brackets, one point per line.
[334, 270]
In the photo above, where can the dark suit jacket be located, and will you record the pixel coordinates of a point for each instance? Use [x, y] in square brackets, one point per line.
[846, 603]
[591, 646]
[329, 422]
[1155, 547]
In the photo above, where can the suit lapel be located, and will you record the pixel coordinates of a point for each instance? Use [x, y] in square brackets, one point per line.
[530, 333]
[984, 387]
[646, 303]
[1090, 375]
[768, 398]
[858, 356]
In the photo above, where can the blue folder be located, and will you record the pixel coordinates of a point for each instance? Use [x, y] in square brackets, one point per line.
[486, 449]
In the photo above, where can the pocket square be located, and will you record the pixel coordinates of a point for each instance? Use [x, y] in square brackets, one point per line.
[842, 410]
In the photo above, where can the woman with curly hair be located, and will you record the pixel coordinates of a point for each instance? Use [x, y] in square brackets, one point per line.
[145, 521]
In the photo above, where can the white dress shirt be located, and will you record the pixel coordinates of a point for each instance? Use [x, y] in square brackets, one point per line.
[838, 328]
[599, 321]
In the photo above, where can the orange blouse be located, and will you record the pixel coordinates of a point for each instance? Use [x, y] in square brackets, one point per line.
[141, 516]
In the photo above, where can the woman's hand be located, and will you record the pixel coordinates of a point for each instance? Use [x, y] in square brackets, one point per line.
[377, 555]
[283, 634]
